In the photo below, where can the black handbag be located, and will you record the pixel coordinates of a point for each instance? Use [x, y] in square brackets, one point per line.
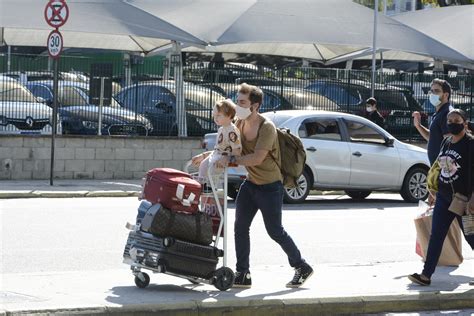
[162, 222]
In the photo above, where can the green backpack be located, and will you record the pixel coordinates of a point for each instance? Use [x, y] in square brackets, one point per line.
[292, 155]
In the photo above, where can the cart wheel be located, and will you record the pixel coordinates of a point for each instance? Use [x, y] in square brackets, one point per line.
[142, 280]
[193, 281]
[224, 278]
[168, 241]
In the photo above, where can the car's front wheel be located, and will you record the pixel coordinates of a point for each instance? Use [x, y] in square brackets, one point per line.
[299, 193]
[414, 186]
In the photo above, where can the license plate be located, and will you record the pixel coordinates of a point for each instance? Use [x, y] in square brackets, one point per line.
[403, 121]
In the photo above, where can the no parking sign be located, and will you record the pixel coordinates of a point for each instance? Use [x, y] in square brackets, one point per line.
[56, 13]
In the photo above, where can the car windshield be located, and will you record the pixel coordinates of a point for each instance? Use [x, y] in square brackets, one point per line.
[278, 120]
[12, 91]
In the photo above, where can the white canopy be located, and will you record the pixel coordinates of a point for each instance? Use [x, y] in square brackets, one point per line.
[103, 24]
[452, 26]
[318, 29]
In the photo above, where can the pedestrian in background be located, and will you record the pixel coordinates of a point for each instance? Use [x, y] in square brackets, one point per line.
[440, 94]
[456, 160]
[372, 113]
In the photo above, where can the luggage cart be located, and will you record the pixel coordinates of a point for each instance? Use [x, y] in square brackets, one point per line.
[144, 251]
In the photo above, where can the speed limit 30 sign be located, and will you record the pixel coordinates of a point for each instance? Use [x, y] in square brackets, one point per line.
[55, 44]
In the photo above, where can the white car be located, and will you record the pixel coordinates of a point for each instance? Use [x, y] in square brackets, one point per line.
[21, 113]
[346, 152]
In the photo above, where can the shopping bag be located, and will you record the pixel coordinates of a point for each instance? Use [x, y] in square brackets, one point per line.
[451, 254]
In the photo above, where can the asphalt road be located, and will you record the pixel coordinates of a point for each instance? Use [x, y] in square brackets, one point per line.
[83, 234]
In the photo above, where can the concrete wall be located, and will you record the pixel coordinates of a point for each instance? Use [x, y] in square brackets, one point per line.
[91, 157]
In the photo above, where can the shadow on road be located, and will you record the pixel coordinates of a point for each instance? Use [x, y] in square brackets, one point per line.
[173, 293]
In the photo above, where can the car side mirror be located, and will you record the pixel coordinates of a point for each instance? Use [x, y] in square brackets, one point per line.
[41, 100]
[389, 141]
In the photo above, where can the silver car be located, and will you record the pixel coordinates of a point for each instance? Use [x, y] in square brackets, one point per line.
[20, 111]
[346, 152]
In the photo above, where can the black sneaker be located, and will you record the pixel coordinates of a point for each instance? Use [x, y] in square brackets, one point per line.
[242, 279]
[302, 273]
[418, 279]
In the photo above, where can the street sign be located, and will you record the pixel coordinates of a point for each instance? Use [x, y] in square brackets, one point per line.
[99, 71]
[56, 13]
[55, 44]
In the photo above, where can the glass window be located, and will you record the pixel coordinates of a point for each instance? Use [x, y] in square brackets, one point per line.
[342, 96]
[271, 102]
[317, 87]
[133, 98]
[69, 96]
[325, 129]
[43, 92]
[12, 91]
[160, 99]
[359, 132]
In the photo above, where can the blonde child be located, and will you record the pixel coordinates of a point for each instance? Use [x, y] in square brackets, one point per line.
[227, 142]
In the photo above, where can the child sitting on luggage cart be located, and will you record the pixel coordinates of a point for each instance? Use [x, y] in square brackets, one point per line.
[228, 140]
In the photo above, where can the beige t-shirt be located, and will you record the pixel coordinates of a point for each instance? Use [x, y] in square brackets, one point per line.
[268, 171]
[228, 140]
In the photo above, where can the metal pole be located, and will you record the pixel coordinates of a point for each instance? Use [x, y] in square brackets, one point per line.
[225, 216]
[180, 102]
[384, 7]
[55, 116]
[101, 104]
[9, 58]
[381, 67]
[374, 47]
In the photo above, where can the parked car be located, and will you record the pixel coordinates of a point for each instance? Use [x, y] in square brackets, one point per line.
[157, 101]
[81, 118]
[346, 152]
[395, 104]
[281, 98]
[20, 111]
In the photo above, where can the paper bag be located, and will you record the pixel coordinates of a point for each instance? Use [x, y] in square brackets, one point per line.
[451, 255]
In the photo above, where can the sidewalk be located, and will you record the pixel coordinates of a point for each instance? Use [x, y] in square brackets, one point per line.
[69, 188]
[333, 290]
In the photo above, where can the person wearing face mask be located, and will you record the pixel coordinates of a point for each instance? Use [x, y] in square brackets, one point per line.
[439, 96]
[262, 190]
[456, 159]
[372, 112]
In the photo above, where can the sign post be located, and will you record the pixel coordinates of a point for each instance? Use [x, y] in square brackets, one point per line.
[56, 14]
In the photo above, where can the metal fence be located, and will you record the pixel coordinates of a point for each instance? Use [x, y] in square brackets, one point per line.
[144, 101]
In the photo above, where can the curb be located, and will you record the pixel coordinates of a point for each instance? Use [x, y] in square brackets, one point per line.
[24, 194]
[64, 194]
[313, 306]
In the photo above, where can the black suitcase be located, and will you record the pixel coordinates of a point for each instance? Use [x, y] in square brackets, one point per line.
[170, 255]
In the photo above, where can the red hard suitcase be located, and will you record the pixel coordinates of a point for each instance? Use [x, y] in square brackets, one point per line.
[173, 189]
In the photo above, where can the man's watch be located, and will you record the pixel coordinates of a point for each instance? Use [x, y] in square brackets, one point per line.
[233, 160]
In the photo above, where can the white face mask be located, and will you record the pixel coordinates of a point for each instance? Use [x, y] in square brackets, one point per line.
[369, 109]
[434, 99]
[242, 113]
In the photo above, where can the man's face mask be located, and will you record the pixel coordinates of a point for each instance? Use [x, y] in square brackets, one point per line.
[435, 99]
[243, 113]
